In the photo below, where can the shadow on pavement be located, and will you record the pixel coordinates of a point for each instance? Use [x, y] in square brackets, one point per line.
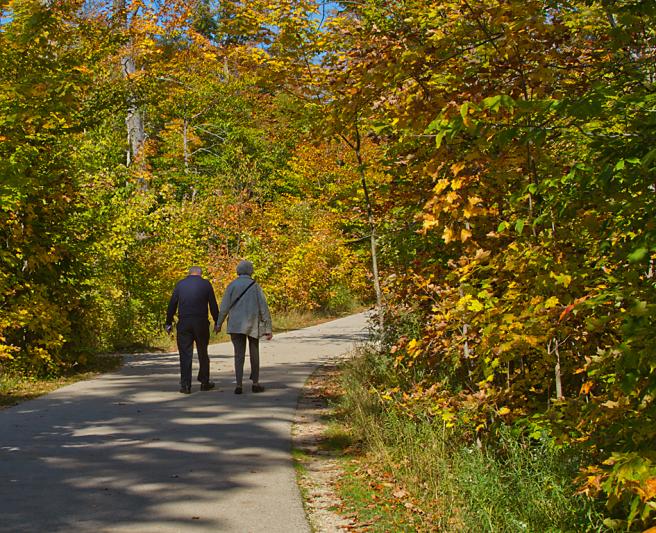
[127, 452]
[121, 454]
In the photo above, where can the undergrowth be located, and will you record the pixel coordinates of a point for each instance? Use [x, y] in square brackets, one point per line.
[511, 484]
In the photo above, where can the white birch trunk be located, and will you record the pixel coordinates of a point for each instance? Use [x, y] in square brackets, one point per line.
[134, 120]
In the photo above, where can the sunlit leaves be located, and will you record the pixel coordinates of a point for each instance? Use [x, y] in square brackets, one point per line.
[526, 131]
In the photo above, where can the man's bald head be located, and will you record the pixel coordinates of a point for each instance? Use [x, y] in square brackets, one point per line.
[195, 271]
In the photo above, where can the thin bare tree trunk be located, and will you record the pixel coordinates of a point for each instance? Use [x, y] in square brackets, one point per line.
[553, 348]
[185, 144]
[134, 119]
[372, 228]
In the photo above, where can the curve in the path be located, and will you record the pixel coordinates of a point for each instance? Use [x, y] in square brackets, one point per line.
[127, 452]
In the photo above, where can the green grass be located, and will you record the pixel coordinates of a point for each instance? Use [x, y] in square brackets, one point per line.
[300, 459]
[294, 319]
[373, 502]
[338, 438]
[451, 484]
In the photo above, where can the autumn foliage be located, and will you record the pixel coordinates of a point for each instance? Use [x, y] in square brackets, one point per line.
[499, 155]
[519, 135]
[95, 233]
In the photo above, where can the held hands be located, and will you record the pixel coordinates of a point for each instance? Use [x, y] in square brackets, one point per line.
[168, 328]
[268, 336]
[217, 327]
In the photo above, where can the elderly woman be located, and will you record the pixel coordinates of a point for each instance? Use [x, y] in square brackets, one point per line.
[248, 319]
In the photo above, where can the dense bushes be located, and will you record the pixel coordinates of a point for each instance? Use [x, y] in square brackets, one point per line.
[519, 136]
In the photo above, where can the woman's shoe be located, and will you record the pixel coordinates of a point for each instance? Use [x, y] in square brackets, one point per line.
[238, 390]
[258, 388]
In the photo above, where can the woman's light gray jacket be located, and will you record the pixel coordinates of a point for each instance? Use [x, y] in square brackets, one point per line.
[250, 315]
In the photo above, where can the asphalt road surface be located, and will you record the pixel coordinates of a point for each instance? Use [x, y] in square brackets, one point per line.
[127, 452]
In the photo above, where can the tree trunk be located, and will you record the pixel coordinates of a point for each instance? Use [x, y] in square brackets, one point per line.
[372, 228]
[185, 144]
[133, 120]
[553, 348]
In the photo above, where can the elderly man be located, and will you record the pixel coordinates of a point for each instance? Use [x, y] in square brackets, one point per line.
[191, 297]
[248, 319]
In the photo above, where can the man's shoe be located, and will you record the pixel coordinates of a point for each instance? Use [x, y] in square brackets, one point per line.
[238, 390]
[207, 386]
[185, 389]
[258, 388]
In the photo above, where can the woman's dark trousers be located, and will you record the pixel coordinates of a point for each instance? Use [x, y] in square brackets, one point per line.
[192, 330]
[239, 343]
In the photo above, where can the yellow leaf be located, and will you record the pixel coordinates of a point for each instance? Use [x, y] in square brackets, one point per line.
[447, 235]
[440, 186]
[447, 416]
[430, 222]
[451, 197]
[456, 168]
[504, 411]
[465, 234]
[475, 306]
[551, 302]
[474, 200]
[561, 279]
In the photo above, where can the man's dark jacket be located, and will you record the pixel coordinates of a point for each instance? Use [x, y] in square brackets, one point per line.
[191, 297]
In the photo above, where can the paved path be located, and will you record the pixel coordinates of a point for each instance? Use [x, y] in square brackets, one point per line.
[127, 452]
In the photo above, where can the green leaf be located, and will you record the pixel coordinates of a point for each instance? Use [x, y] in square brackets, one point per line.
[638, 255]
[649, 158]
[439, 138]
[464, 110]
[492, 103]
[519, 226]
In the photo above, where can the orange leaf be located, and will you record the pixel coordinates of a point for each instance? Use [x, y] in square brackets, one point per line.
[571, 306]
[585, 388]
[567, 310]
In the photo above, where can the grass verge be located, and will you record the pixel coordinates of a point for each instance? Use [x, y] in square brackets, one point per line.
[415, 474]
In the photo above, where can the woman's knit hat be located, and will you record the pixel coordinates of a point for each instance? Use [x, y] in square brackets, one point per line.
[245, 267]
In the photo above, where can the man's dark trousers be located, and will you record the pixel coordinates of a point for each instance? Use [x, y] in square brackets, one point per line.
[190, 331]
